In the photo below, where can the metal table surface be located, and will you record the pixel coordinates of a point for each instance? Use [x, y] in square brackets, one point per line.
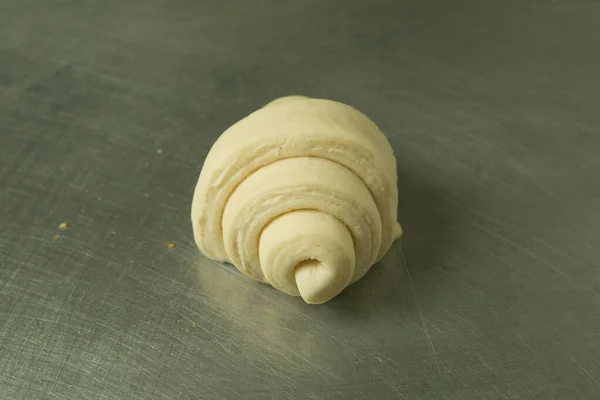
[108, 108]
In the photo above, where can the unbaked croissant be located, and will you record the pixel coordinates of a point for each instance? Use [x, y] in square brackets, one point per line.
[301, 194]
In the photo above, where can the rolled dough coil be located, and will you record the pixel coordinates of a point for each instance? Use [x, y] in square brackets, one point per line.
[301, 194]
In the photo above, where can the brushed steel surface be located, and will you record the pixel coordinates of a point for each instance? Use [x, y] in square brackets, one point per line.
[107, 109]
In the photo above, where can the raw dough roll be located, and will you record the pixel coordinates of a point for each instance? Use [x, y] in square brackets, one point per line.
[301, 194]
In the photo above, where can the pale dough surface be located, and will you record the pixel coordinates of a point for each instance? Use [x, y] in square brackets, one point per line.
[301, 194]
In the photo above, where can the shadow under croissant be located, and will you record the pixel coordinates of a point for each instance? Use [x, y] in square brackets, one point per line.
[427, 219]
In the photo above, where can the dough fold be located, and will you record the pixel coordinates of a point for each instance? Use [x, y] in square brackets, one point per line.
[301, 194]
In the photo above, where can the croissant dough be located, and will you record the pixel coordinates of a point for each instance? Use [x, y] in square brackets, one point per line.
[301, 194]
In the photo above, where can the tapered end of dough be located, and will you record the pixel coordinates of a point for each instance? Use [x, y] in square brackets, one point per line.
[307, 253]
[316, 282]
[397, 231]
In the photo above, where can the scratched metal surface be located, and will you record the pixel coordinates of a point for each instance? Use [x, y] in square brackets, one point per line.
[492, 109]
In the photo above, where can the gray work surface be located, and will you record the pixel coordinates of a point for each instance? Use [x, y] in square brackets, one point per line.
[108, 108]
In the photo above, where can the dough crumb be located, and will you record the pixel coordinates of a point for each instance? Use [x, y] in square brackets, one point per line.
[171, 245]
[63, 226]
